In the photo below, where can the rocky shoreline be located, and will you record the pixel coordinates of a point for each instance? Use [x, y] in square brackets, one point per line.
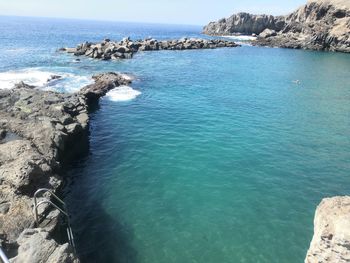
[39, 131]
[126, 48]
[318, 25]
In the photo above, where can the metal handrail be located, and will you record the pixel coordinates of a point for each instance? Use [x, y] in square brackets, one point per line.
[3, 257]
[35, 201]
[62, 210]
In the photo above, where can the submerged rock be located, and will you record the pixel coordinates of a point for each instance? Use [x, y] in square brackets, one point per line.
[54, 77]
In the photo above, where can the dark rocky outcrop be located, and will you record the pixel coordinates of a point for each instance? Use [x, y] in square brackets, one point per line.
[39, 129]
[103, 83]
[318, 25]
[126, 48]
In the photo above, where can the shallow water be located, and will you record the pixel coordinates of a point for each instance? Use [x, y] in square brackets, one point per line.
[223, 157]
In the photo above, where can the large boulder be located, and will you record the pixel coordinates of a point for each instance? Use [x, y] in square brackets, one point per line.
[268, 33]
[35, 246]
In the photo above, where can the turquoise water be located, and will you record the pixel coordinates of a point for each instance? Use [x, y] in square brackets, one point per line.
[222, 158]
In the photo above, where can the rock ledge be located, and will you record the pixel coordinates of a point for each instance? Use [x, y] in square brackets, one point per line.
[38, 131]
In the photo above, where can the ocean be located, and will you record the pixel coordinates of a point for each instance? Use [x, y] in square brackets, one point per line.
[209, 156]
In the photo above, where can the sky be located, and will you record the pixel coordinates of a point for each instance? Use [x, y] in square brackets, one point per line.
[190, 12]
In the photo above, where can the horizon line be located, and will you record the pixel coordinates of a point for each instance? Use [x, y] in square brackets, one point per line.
[103, 20]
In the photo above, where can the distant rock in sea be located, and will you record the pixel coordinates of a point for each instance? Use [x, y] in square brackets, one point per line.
[318, 25]
[126, 48]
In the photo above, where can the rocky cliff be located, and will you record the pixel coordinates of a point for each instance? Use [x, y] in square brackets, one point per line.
[318, 25]
[244, 23]
[38, 131]
[331, 240]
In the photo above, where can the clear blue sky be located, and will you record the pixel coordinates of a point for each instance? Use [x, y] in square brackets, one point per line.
[196, 12]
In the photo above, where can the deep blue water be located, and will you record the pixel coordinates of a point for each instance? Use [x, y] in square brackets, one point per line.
[222, 158]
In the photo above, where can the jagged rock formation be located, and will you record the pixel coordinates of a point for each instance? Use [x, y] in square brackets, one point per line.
[318, 25]
[331, 240]
[40, 129]
[244, 23]
[126, 48]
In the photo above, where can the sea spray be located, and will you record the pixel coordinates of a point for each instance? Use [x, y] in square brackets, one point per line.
[44, 79]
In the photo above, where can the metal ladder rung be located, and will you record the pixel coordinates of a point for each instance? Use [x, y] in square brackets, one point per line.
[62, 210]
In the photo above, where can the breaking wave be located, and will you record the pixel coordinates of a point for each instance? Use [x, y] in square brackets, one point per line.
[57, 81]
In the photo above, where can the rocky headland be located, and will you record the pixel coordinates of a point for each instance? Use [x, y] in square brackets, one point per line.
[126, 48]
[318, 25]
[331, 240]
[39, 131]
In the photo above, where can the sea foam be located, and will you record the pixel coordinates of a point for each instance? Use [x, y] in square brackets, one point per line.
[122, 93]
[67, 82]
[8, 79]
[128, 77]
[241, 38]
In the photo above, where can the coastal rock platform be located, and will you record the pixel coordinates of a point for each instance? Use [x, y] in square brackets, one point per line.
[39, 131]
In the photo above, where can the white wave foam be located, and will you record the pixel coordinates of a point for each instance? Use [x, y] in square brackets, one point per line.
[241, 38]
[32, 77]
[122, 93]
[68, 83]
[41, 78]
[128, 77]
